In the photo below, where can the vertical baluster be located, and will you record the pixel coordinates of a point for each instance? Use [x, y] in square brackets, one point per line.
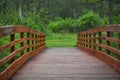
[81, 40]
[45, 41]
[84, 39]
[28, 41]
[12, 38]
[94, 41]
[87, 40]
[100, 40]
[33, 41]
[42, 40]
[22, 43]
[39, 42]
[119, 45]
[78, 39]
[108, 42]
[90, 40]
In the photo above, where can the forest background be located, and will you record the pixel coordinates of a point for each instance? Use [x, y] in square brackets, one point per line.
[61, 20]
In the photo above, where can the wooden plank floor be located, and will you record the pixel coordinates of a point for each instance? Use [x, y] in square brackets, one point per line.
[65, 64]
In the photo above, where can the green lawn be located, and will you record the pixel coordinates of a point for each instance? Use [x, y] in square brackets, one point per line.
[61, 40]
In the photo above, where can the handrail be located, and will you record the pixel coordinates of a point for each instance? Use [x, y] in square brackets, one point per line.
[99, 42]
[29, 40]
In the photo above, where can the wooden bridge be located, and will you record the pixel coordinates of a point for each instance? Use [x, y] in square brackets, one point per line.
[97, 56]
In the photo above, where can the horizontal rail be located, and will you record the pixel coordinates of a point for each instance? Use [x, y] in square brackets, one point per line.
[103, 46]
[21, 47]
[2, 48]
[8, 30]
[103, 42]
[111, 28]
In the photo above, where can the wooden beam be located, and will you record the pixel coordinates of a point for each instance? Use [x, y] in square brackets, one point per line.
[90, 40]
[12, 38]
[119, 44]
[22, 43]
[108, 42]
[94, 41]
[100, 41]
[28, 41]
[32, 41]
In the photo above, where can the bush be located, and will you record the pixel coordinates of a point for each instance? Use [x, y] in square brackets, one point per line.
[62, 25]
[117, 19]
[58, 18]
[89, 20]
[34, 22]
[105, 20]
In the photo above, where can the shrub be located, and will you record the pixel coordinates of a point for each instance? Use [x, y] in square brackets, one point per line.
[62, 25]
[58, 18]
[34, 22]
[117, 19]
[89, 20]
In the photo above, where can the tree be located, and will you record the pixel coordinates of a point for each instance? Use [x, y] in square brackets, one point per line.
[20, 10]
[110, 3]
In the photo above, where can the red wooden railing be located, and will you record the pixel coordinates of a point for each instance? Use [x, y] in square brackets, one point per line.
[103, 42]
[98, 42]
[30, 43]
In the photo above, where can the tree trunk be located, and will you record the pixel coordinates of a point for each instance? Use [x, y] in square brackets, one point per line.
[4, 13]
[4, 8]
[20, 11]
[101, 9]
[110, 3]
[75, 14]
[51, 10]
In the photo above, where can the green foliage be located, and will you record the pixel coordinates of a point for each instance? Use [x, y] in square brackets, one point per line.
[34, 21]
[84, 22]
[105, 20]
[117, 19]
[9, 19]
[44, 15]
[62, 26]
[58, 18]
[89, 20]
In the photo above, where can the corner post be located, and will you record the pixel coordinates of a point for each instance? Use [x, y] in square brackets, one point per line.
[108, 42]
[28, 41]
[100, 41]
[22, 43]
[12, 38]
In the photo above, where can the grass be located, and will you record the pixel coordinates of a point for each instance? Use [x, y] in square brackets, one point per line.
[61, 40]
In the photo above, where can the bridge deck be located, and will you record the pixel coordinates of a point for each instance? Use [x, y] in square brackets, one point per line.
[65, 64]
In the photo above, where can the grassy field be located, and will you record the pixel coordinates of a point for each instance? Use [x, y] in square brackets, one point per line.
[61, 40]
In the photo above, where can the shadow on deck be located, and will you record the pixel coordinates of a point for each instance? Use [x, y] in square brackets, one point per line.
[65, 64]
